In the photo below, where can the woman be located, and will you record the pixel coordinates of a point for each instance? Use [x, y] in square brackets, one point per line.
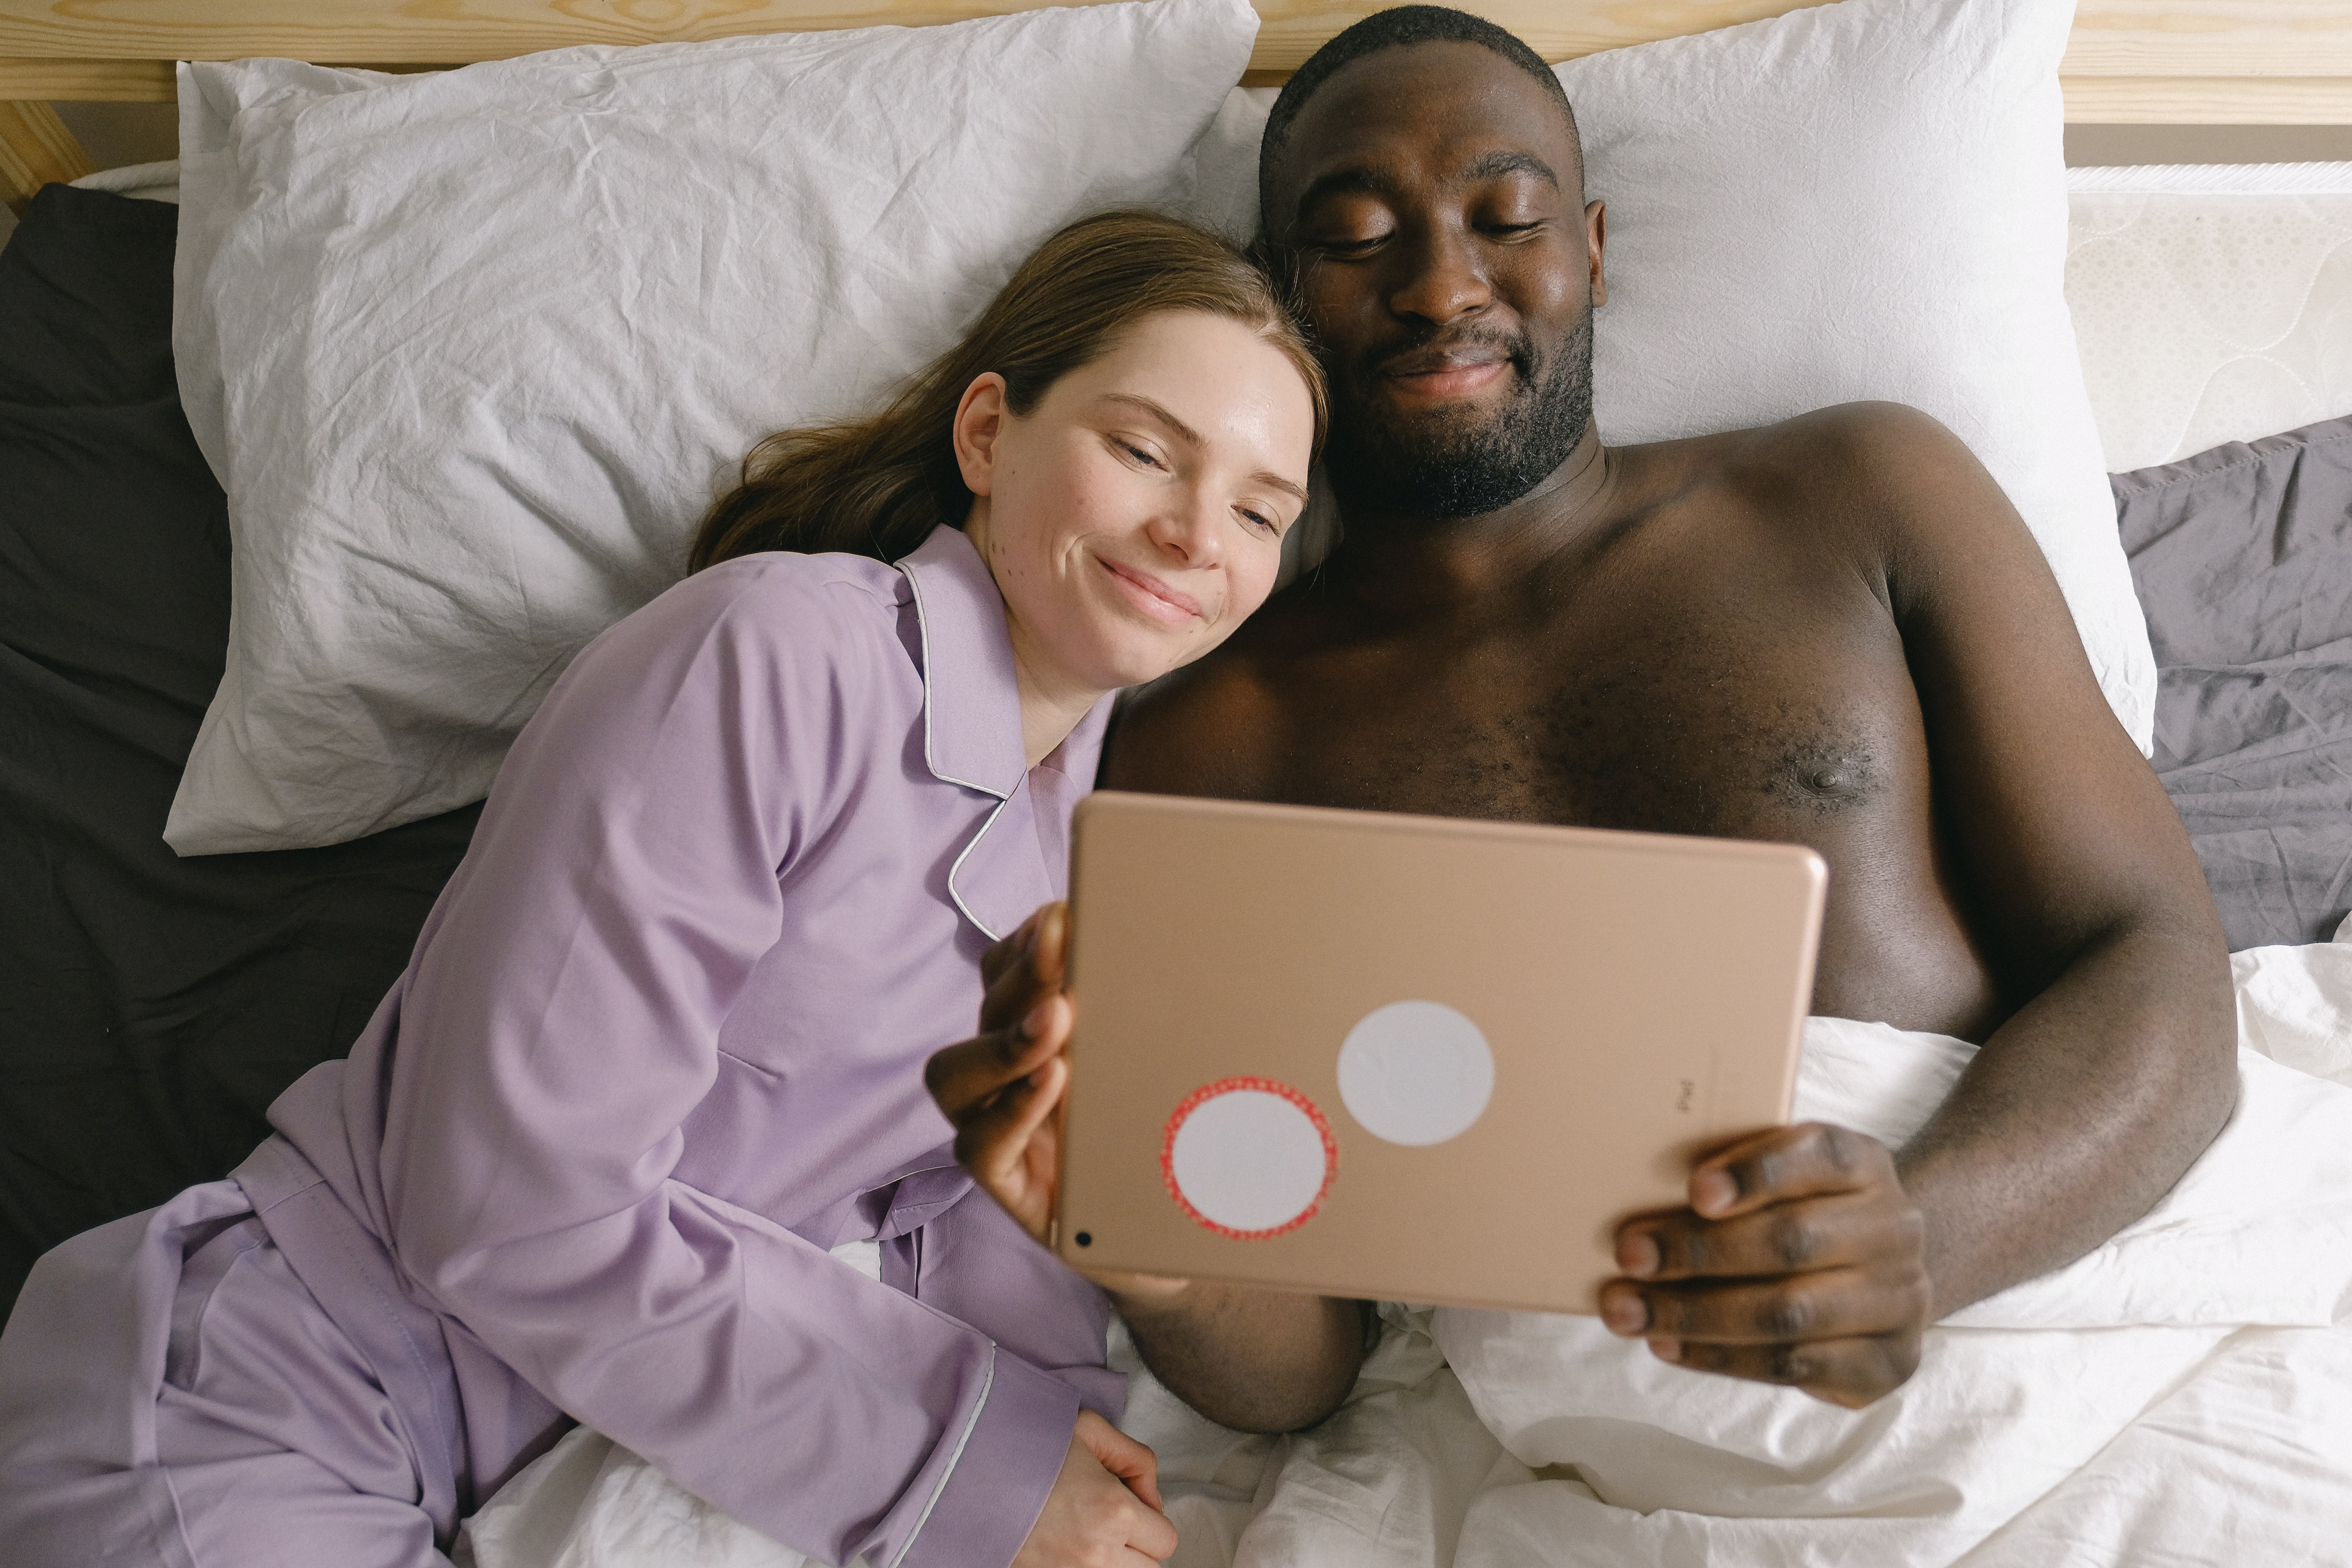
[659, 1048]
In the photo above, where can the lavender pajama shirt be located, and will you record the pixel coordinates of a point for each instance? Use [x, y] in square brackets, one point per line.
[659, 1049]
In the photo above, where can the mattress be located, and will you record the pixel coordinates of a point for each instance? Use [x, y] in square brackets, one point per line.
[2211, 303]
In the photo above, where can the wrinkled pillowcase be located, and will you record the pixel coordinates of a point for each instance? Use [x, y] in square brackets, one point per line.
[471, 352]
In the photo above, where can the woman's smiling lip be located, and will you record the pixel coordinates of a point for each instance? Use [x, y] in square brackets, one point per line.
[1153, 597]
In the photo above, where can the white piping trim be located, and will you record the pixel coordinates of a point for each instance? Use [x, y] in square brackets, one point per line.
[955, 871]
[970, 1427]
[2213, 180]
[923, 629]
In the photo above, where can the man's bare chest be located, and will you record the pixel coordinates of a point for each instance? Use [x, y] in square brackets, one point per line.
[1713, 730]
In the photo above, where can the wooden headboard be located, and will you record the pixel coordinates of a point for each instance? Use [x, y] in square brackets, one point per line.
[2242, 62]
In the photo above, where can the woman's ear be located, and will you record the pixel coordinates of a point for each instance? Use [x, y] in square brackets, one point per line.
[979, 421]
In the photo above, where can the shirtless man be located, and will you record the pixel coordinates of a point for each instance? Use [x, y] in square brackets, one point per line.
[1834, 631]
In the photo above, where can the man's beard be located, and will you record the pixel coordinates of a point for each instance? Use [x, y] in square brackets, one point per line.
[1455, 469]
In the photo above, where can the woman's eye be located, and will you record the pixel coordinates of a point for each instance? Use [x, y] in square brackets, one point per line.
[1260, 521]
[1137, 453]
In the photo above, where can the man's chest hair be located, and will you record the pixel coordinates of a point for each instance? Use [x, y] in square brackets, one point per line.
[1686, 731]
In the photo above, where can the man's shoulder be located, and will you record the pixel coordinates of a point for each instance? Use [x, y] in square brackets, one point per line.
[1849, 477]
[1862, 450]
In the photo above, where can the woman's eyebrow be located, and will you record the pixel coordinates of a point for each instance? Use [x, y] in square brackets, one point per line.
[1190, 436]
[1277, 482]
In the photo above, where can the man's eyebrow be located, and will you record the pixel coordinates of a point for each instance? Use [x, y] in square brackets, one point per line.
[1357, 181]
[1491, 165]
[1193, 438]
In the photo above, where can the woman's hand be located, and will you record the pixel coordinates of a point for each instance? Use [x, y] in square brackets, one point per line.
[1105, 1508]
[1002, 1087]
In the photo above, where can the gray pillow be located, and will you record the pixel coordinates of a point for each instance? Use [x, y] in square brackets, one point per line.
[2243, 556]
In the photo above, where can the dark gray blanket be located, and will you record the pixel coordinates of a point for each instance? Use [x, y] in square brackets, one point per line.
[2243, 556]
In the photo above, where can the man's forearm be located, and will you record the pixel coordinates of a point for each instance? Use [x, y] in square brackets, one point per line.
[2078, 1115]
[1256, 1359]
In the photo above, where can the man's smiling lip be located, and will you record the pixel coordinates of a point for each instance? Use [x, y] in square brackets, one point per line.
[1153, 597]
[1442, 375]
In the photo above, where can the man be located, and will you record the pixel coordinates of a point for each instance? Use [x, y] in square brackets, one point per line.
[1836, 631]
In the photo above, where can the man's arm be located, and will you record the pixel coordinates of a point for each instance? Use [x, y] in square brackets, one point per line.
[2117, 1066]
[1258, 1360]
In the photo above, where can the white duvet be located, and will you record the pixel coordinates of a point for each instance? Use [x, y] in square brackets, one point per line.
[2181, 1395]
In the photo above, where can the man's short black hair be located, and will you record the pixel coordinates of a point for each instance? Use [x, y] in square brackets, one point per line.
[1390, 30]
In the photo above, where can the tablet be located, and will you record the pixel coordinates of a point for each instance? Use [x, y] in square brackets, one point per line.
[1412, 1059]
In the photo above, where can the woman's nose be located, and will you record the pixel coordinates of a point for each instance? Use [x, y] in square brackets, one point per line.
[1190, 531]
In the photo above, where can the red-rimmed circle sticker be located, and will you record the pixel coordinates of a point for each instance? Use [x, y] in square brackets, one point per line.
[1249, 1158]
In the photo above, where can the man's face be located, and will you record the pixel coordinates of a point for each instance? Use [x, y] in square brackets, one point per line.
[1432, 195]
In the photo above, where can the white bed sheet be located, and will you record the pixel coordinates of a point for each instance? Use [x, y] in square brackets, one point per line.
[2183, 1395]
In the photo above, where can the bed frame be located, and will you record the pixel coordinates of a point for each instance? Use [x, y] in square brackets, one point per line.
[2244, 62]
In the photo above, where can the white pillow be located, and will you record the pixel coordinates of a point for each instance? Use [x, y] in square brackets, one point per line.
[1865, 200]
[472, 353]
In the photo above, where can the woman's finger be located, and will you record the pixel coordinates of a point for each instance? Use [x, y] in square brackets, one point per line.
[1123, 1456]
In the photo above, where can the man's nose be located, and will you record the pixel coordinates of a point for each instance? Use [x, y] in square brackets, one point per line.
[1443, 278]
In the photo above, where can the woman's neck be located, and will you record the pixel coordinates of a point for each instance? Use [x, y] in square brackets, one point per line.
[1049, 710]
[1052, 703]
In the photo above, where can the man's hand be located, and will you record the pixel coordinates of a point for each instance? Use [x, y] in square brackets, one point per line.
[1105, 1508]
[1800, 1260]
[1002, 1088]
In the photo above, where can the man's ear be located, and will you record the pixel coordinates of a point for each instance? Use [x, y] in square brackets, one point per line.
[1596, 240]
[979, 421]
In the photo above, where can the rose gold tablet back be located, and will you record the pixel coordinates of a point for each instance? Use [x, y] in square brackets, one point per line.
[1412, 1059]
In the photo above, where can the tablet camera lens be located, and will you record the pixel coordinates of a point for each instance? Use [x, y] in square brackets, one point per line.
[1086, 1238]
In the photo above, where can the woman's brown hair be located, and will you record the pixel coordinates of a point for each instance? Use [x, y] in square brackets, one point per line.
[878, 486]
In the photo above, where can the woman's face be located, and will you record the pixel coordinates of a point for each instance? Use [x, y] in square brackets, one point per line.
[1135, 516]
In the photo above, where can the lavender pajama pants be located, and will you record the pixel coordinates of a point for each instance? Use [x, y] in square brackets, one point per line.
[239, 1379]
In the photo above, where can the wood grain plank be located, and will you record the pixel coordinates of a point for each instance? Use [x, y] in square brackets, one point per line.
[2218, 100]
[448, 30]
[36, 148]
[2211, 38]
[89, 81]
[111, 49]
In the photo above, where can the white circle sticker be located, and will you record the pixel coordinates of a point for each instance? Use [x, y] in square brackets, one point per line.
[1416, 1073]
[1248, 1157]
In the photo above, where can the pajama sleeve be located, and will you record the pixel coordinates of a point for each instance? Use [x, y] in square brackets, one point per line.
[560, 1021]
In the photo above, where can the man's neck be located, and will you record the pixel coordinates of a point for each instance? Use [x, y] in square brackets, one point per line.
[1429, 562]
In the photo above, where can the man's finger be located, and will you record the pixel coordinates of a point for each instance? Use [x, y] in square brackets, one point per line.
[961, 1076]
[1848, 1372]
[1832, 1304]
[1032, 964]
[1785, 1163]
[1789, 1237]
[1008, 951]
[991, 1140]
